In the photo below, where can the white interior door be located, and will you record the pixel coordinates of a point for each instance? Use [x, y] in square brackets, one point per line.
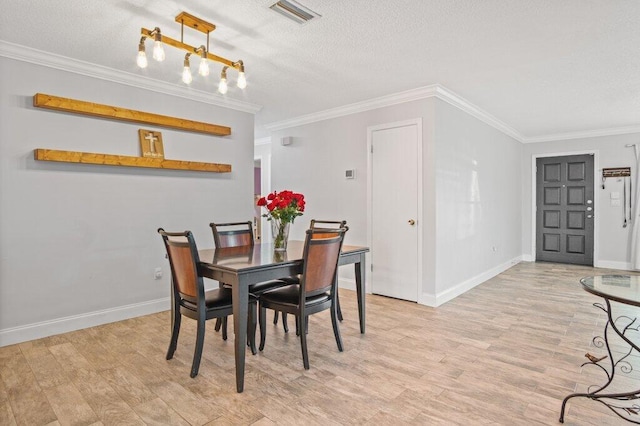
[394, 210]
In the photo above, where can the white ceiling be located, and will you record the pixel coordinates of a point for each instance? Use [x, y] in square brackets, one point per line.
[542, 67]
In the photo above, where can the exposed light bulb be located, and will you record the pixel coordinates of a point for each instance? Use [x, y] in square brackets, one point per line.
[242, 80]
[158, 51]
[142, 55]
[142, 59]
[186, 75]
[203, 69]
[222, 87]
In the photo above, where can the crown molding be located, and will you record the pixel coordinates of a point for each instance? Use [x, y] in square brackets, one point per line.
[63, 63]
[458, 101]
[434, 90]
[585, 134]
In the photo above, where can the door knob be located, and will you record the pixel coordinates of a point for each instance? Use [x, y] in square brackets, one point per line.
[412, 222]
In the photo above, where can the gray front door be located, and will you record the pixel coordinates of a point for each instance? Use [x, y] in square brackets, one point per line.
[565, 209]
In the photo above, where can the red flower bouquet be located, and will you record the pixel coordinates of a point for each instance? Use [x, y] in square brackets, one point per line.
[283, 208]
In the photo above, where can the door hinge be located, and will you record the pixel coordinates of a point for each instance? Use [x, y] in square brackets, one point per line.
[372, 149]
[371, 267]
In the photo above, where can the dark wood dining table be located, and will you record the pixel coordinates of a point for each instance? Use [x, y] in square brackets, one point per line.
[240, 267]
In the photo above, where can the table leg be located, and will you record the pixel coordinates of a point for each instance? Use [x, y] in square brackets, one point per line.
[240, 293]
[360, 275]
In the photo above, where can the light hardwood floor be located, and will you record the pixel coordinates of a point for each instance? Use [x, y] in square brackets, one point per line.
[506, 352]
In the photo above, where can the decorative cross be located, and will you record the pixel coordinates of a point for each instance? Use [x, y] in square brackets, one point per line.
[152, 142]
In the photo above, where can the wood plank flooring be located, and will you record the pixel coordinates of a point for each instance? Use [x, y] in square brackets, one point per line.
[505, 353]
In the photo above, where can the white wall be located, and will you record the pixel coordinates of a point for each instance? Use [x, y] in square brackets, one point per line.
[262, 151]
[315, 162]
[478, 206]
[78, 243]
[613, 241]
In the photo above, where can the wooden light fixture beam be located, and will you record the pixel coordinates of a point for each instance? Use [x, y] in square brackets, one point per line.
[198, 24]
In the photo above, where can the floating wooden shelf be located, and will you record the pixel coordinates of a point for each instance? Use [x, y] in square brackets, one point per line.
[127, 161]
[41, 100]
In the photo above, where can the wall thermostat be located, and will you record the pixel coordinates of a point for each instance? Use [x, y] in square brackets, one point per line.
[350, 174]
[286, 140]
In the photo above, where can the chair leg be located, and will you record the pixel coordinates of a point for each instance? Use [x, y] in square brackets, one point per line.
[198, 351]
[263, 325]
[176, 318]
[285, 326]
[336, 330]
[303, 346]
[218, 324]
[338, 305]
[251, 341]
[224, 328]
[275, 317]
[306, 326]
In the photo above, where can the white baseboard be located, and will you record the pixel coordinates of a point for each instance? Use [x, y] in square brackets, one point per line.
[527, 258]
[39, 330]
[449, 294]
[625, 266]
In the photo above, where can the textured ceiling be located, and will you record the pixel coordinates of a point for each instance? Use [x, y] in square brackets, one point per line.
[540, 66]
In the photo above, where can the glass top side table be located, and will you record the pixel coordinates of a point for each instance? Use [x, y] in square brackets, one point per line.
[623, 289]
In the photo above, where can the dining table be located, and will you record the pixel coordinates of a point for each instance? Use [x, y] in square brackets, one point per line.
[240, 267]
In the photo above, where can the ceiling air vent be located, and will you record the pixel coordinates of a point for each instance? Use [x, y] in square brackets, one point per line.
[294, 11]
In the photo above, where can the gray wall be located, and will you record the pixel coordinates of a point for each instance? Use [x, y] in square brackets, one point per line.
[78, 243]
[612, 240]
[460, 227]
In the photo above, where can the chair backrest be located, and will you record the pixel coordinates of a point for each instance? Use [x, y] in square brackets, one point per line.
[321, 253]
[329, 226]
[234, 234]
[183, 258]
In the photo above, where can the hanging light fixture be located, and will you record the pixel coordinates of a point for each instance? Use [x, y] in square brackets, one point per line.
[142, 54]
[203, 68]
[222, 86]
[186, 71]
[203, 51]
[242, 80]
[158, 50]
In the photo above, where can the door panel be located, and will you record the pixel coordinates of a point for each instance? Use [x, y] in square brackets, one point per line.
[564, 214]
[394, 180]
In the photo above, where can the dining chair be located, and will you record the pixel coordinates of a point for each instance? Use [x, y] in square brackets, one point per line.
[240, 234]
[318, 224]
[189, 297]
[315, 293]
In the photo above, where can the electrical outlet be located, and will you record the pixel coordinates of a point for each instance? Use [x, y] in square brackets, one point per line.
[157, 274]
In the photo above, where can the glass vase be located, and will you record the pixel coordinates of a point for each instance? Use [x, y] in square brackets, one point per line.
[280, 234]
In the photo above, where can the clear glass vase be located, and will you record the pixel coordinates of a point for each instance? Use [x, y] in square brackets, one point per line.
[280, 234]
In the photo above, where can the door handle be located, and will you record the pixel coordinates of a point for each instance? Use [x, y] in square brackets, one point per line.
[412, 222]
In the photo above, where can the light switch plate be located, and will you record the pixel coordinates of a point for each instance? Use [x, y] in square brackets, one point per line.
[615, 195]
[615, 203]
